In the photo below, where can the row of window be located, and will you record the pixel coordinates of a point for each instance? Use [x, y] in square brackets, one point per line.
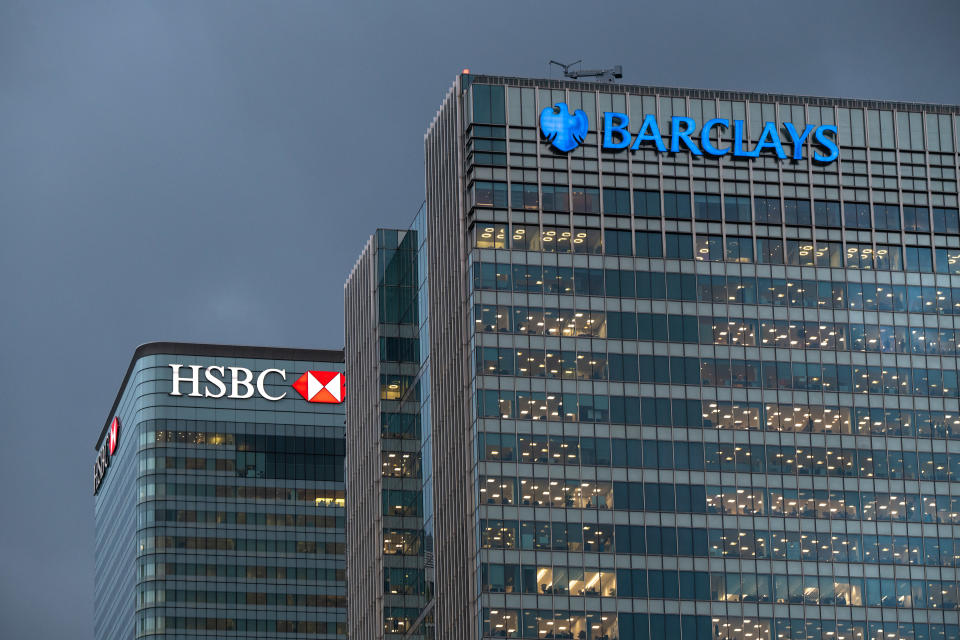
[148, 514]
[750, 544]
[150, 624]
[732, 457]
[716, 330]
[274, 465]
[836, 504]
[151, 487]
[147, 543]
[583, 407]
[404, 581]
[150, 568]
[805, 418]
[722, 587]
[708, 372]
[149, 595]
[498, 105]
[711, 248]
[717, 289]
[218, 433]
[708, 207]
[537, 624]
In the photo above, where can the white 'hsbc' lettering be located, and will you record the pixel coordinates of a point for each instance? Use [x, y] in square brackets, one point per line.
[215, 382]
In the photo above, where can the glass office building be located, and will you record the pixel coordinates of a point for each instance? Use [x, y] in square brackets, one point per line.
[654, 392]
[219, 496]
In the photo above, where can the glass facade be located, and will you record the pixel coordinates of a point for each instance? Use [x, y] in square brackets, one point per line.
[222, 517]
[391, 393]
[710, 398]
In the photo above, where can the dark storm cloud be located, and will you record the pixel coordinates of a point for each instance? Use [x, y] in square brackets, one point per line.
[208, 171]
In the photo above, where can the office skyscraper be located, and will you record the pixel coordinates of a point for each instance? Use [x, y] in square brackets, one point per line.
[660, 363]
[219, 496]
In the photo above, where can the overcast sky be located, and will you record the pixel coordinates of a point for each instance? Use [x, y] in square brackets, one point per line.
[208, 171]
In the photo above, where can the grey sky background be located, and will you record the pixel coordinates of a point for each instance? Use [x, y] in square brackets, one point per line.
[209, 170]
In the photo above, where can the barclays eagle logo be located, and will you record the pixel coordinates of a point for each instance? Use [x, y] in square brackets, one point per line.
[564, 131]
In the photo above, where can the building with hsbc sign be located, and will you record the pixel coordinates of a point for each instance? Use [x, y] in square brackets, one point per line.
[219, 495]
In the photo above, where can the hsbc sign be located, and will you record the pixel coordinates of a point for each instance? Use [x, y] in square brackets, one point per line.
[240, 383]
[102, 463]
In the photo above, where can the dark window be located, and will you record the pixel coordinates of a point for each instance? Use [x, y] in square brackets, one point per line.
[586, 200]
[796, 212]
[737, 208]
[646, 204]
[679, 245]
[945, 220]
[488, 104]
[919, 259]
[826, 214]
[616, 202]
[649, 244]
[617, 242]
[886, 217]
[916, 219]
[707, 207]
[767, 210]
[676, 205]
[555, 198]
[856, 215]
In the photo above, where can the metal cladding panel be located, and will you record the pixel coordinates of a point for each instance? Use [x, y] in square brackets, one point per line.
[454, 495]
[363, 474]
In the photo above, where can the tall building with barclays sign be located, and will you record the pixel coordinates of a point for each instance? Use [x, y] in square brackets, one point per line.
[661, 363]
[219, 496]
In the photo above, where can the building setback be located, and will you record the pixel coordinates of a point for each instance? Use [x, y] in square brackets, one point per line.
[219, 496]
[657, 368]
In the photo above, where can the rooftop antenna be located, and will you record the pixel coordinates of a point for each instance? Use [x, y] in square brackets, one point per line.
[603, 75]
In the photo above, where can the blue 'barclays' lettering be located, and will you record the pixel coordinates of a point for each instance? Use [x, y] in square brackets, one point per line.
[683, 132]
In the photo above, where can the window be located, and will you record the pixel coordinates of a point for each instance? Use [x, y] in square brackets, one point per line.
[586, 241]
[525, 238]
[676, 205]
[709, 248]
[524, 196]
[679, 245]
[739, 249]
[616, 202]
[800, 252]
[490, 194]
[769, 251]
[889, 257]
[856, 215]
[490, 236]
[886, 217]
[916, 219]
[796, 212]
[648, 244]
[586, 200]
[555, 198]
[556, 239]
[767, 210]
[948, 261]
[737, 208]
[488, 104]
[945, 220]
[826, 214]
[859, 256]
[828, 254]
[646, 204]
[707, 207]
[919, 259]
[617, 242]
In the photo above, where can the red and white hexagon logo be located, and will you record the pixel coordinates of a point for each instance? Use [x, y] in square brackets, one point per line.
[114, 434]
[321, 386]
